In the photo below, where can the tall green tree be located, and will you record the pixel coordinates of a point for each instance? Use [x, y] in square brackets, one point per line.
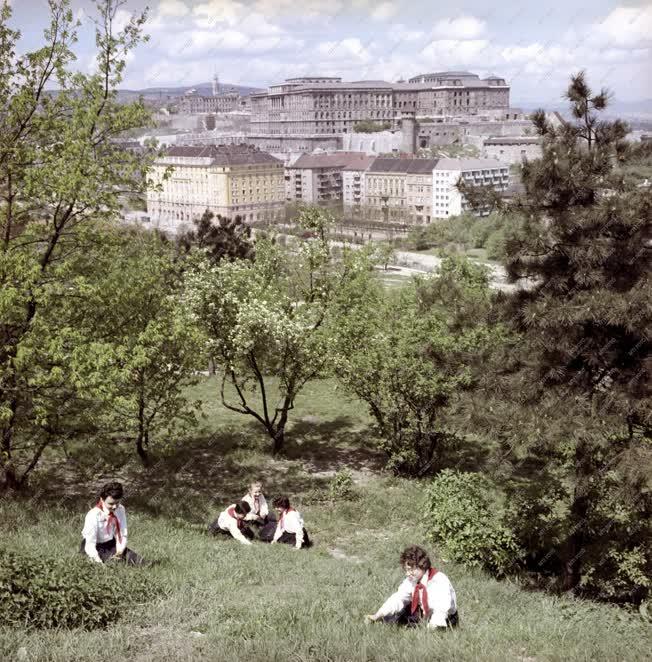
[269, 320]
[408, 354]
[60, 172]
[578, 418]
[143, 350]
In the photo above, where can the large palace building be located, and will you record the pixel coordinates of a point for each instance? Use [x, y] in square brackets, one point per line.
[327, 105]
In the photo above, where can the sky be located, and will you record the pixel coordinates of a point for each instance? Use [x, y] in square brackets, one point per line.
[536, 46]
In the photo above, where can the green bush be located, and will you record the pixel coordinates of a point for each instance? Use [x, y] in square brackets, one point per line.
[461, 522]
[41, 592]
[341, 486]
[616, 560]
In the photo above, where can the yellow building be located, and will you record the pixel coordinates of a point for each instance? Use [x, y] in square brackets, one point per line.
[230, 180]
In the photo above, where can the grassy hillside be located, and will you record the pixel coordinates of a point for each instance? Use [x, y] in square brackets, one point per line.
[222, 601]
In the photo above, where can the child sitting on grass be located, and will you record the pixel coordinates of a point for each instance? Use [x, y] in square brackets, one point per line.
[104, 536]
[426, 594]
[258, 516]
[289, 529]
[230, 522]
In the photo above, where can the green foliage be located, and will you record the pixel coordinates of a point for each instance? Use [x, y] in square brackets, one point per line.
[575, 391]
[616, 557]
[271, 318]
[143, 351]
[341, 486]
[369, 126]
[220, 238]
[44, 592]
[407, 354]
[461, 520]
[62, 176]
[465, 232]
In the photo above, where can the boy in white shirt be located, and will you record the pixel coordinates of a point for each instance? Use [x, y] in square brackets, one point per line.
[289, 529]
[104, 536]
[230, 522]
[426, 594]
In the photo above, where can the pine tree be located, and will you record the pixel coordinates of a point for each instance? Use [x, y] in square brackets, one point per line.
[583, 250]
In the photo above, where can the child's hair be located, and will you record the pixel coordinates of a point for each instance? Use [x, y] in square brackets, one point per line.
[281, 502]
[256, 482]
[242, 508]
[112, 490]
[417, 557]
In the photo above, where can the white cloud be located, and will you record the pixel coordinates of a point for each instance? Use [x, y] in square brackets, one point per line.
[344, 50]
[625, 26]
[401, 33]
[384, 11]
[308, 10]
[456, 52]
[464, 27]
[215, 12]
[173, 8]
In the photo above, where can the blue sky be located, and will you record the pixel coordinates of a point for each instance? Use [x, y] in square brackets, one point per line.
[535, 45]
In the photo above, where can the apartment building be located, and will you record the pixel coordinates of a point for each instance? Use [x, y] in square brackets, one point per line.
[400, 190]
[446, 199]
[318, 178]
[231, 180]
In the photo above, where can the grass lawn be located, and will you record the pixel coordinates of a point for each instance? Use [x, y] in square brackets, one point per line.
[223, 601]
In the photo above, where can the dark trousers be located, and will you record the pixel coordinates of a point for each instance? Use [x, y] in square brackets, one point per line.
[410, 620]
[291, 539]
[215, 530]
[107, 549]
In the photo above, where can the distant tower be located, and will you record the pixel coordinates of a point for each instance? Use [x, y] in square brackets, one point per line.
[409, 133]
[216, 85]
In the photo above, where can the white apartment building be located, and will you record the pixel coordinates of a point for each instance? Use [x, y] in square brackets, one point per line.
[446, 199]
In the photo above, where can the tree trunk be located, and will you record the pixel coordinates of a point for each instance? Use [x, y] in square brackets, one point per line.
[278, 439]
[141, 450]
[11, 479]
[579, 511]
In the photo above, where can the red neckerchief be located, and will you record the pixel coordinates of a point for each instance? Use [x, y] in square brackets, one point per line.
[421, 590]
[283, 516]
[111, 520]
[231, 512]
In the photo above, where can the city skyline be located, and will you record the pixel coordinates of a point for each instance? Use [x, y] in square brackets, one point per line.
[261, 42]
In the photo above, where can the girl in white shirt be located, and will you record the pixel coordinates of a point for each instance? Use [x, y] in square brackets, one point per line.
[289, 529]
[104, 536]
[425, 595]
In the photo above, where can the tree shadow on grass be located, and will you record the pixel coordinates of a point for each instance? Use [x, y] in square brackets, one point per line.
[191, 481]
[328, 446]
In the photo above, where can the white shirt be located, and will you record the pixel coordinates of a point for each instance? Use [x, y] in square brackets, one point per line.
[229, 523]
[254, 514]
[95, 530]
[442, 601]
[292, 522]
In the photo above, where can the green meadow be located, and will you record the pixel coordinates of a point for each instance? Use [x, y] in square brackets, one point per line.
[218, 600]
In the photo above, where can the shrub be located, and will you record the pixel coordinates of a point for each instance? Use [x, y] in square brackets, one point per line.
[341, 486]
[41, 592]
[462, 523]
[616, 559]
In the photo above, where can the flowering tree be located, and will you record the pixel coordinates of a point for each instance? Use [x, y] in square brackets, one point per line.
[269, 321]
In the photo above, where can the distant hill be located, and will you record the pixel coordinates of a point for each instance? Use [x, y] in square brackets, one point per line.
[642, 107]
[204, 89]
